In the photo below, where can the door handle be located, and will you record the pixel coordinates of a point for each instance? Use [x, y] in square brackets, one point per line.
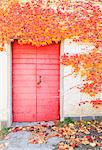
[39, 80]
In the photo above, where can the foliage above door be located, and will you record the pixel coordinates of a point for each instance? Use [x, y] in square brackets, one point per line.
[40, 23]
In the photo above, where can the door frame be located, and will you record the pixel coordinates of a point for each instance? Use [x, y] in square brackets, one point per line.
[9, 84]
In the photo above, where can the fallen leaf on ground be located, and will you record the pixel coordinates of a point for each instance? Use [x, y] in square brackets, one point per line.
[74, 134]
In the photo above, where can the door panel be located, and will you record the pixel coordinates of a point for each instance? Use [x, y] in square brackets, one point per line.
[35, 82]
[47, 92]
[24, 83]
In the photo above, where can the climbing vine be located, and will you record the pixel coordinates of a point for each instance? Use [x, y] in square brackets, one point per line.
[89, 67]
[41, 22]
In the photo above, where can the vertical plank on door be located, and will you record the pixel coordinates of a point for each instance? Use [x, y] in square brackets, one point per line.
[24, 82]
[48, 90]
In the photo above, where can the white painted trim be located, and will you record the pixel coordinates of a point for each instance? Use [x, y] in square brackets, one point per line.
[9, 74]
[61, 84]
[9, 84]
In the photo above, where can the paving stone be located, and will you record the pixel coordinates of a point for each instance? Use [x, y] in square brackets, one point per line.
[44, 146]
[54, 140]
[19, 135]
[14, 148]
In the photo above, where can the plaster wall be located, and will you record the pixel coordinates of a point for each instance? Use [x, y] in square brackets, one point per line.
[3, 88]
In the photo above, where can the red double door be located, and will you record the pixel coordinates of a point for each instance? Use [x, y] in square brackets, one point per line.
[35, 88]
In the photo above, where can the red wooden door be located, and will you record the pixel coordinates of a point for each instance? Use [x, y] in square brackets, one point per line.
[47, 90]
[35, 83]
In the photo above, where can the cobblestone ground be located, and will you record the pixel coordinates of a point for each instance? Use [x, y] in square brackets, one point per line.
[82, 135]
[19, 140]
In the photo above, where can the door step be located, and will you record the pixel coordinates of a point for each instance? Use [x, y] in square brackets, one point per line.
[20, 124]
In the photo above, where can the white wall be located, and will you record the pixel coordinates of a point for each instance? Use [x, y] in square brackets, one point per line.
[72, 97]
[3, 86]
